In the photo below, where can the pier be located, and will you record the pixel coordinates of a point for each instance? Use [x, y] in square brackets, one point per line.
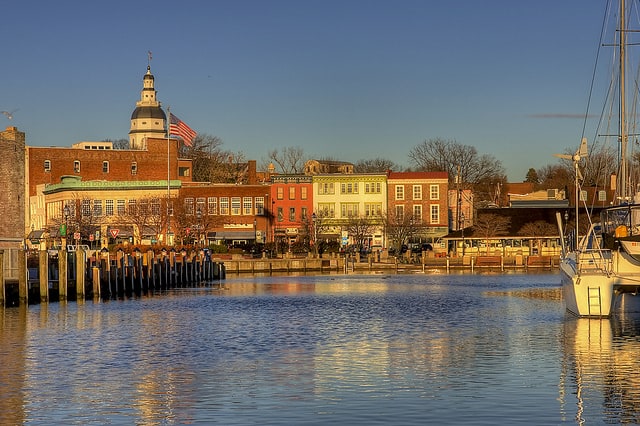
[52, 276]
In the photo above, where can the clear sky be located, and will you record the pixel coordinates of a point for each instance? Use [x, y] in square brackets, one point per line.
[347, 79]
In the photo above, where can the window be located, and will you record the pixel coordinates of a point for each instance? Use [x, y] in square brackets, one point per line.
[188, 206]
[417, 213]
[349, 210]
[155, 206]
[434, 192]
[132, 208]
[292, 214]
[435, 213]
[143, 207]
[602, 195]
[372, 209]
[200, 204]
[325, 188]
[583, 195]
[280, 214]
[399, 192]
[212, 207]
[47, 165]
[134, 168]
[326, 209]
[303, 192]
[292, 192]
[108, 208]
[303, 214]
[399, 214]
[417, 192]
[260, 206]
[349, 188]
[184, 171]
[224, 205]
[76, 166]
[280, 194]
[372, 188]
[105, 167]
[86, 208]
[247, 206]
[235, 205]
[97, 208]
[120, 207]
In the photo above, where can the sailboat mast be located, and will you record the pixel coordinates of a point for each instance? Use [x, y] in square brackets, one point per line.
[623, 106]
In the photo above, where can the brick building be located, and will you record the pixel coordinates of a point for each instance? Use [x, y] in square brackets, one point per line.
[12, 206]
[422, 196]
[292, 207]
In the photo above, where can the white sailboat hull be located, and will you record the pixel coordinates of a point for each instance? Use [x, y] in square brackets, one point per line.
[600, 282]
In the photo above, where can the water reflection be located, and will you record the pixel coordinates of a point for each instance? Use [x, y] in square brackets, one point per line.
[601, 380]
[318, 350]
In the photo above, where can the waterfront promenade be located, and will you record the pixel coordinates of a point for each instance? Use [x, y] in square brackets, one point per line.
[391, 264]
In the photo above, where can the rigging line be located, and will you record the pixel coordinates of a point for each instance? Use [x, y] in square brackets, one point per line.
[595, 67]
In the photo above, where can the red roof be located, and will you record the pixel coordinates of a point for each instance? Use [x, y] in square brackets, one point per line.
[417, 175]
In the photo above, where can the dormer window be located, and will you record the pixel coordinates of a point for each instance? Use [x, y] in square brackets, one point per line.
[134, 168]
[105, 167]
[47, 165]
[76, 166]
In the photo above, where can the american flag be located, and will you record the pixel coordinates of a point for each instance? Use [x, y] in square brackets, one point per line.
[180, 129]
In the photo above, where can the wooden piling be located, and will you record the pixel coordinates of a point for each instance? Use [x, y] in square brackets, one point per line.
[3, 290]
[81, 265]
[43, 259]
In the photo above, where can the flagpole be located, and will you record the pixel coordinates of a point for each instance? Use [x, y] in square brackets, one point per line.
[168, 173]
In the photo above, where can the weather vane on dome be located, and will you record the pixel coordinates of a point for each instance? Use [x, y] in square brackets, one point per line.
[149, 57]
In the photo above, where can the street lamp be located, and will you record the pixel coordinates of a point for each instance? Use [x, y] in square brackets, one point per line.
[67, 212]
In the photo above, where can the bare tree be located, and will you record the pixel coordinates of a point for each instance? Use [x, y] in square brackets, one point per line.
[399, 228]
[465, 166]
[141, 213]
[288, 160]
[456, 159]
[598, 166]
[360, 228]
[537, 230]
[118, 143]
[489, 225]
[555, 176]
[374, 165]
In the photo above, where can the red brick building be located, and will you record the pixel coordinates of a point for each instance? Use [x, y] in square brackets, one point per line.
[423, 197]
[292, 207]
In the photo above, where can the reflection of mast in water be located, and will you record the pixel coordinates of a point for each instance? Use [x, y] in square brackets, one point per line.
[600, 369]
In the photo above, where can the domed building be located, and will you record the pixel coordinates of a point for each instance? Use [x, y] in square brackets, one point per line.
[148, 120]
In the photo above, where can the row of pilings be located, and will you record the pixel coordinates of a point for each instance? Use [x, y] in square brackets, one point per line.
[97, 274]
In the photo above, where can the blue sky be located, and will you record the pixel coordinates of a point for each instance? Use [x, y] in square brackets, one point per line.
[344, 79]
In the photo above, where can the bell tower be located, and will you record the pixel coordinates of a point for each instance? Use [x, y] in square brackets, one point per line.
[148, 120]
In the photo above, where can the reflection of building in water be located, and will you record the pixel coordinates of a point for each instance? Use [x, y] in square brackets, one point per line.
[13, 371]
[600, 370]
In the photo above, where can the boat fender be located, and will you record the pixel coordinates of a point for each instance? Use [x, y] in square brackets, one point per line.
[621, 231]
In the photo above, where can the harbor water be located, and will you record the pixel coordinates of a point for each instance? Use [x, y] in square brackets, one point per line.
[385, 349]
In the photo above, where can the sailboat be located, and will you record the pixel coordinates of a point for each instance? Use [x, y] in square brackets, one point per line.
[600, 270]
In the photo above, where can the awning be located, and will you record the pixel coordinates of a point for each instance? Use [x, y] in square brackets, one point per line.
[235, 235]
[36, 234]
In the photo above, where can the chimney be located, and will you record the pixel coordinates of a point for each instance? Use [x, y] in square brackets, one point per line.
[252, 176]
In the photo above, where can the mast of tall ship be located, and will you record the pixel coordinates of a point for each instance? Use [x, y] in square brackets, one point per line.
[622, 180]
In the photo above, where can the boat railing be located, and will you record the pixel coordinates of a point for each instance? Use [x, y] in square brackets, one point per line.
[594, 260]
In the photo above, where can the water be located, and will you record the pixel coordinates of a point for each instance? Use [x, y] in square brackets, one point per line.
[315, 350]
